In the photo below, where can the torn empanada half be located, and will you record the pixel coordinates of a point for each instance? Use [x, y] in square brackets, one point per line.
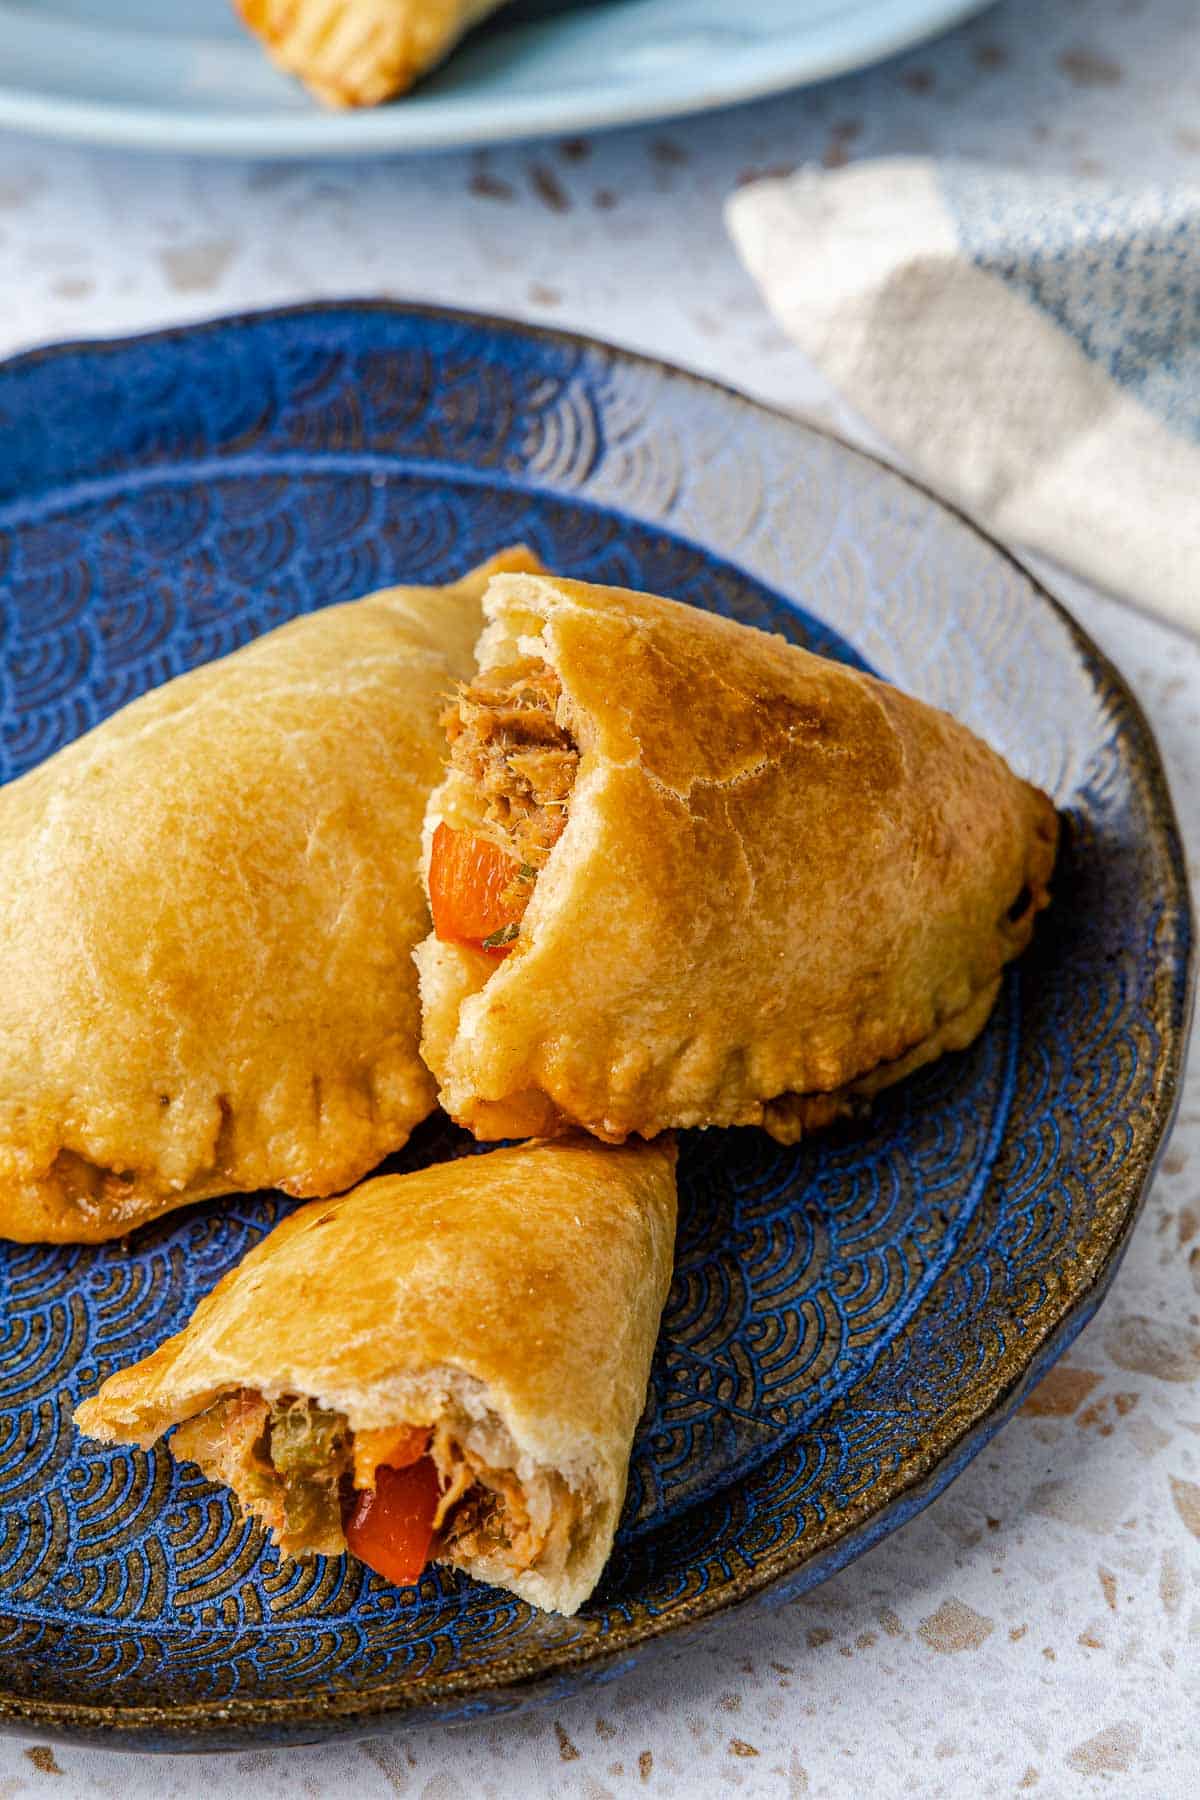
[684, 873]
[446, 1365]
[360, 52]
[207, 920]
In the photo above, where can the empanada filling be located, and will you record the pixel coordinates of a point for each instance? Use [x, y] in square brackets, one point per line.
[516, 759]
[397, 1498]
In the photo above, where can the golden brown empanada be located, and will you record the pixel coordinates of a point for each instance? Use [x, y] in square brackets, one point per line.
[494, 1315]
[361, 52]
[722, 881]
[207, 920]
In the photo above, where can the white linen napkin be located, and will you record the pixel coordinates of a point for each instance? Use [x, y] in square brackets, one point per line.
[1029, 343]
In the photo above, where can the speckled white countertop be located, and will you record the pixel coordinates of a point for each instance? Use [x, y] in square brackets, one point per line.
[1037, 1630]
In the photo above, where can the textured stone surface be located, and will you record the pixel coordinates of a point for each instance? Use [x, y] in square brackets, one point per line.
[1038, 1629]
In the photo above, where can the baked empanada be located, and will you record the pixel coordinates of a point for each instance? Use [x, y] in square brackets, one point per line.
[463, 1350]
[361, 52]
[686, 874]
[207, 919]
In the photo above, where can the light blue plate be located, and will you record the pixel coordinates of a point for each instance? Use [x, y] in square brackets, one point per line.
[157, 76]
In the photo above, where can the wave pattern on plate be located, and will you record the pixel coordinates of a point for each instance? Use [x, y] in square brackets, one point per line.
[835, 1304]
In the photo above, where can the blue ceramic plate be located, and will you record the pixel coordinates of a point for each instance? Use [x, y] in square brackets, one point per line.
[162, 77]
[851, 1319]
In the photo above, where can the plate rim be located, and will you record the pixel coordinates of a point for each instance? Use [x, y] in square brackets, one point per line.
[447, 122]
[519, 1680]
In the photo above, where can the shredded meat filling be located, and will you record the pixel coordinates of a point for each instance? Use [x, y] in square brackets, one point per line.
[508, 736]
[292, 1464]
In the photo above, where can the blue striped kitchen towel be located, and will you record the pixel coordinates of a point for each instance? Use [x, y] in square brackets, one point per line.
[1030, 344]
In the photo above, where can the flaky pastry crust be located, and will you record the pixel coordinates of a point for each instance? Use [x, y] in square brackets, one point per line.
[524, 1286]
[207, 920]
[360, 52]
[782, 884]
